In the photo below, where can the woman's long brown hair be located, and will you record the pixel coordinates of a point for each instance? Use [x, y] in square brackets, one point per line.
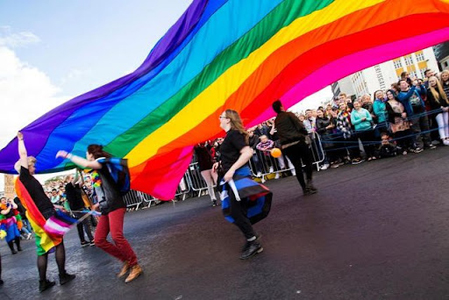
[438, 92]
[236, 123]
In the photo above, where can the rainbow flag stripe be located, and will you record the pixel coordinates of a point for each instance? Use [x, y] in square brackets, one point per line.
[45, 240]
[238, 54]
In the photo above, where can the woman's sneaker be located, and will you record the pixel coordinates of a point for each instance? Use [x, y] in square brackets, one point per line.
[416, 150]
[324, 167]
[357, 161]
[252, 249]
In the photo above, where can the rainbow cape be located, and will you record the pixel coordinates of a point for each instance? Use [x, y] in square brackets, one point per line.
[7, 228]
[238, 54]
[45, 240]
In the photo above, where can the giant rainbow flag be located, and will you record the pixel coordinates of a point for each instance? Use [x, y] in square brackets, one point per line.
[239, 54]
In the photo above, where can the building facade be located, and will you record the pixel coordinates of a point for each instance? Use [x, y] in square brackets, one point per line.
[381, 76]
[442, 55]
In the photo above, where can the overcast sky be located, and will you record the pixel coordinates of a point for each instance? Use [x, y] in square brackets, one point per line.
[52, 51]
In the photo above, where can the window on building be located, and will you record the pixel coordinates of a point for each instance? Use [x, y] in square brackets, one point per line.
[408, 60]
[422, 73]
[397, 64]
[420, 56]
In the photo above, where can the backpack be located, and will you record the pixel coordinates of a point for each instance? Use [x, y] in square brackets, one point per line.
[119, 171]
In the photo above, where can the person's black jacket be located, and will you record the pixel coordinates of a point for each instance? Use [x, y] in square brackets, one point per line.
[20, 208]
[111, 198]
[321, 124]
[74, 196]
[289, 128]
[391, 114]
[434, 104]
[253, 141]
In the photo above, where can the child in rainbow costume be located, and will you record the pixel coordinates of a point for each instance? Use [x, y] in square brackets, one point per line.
[10, 224]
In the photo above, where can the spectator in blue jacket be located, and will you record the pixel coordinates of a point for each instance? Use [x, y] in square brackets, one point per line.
[380, 111]
[362, 121]
[411, 99]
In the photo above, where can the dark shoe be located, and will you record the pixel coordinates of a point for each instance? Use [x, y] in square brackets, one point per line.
[252, 250]
[13, 252]
[309, 185]
[308, 192]
[431, 147]
[247, 244]
[92, 243]
[84, 244]
[1, 282]
[66, 277]
[45, 285]
[214, 203]
[134, 273]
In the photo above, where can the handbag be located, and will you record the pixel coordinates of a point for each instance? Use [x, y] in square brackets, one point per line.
[256, 197]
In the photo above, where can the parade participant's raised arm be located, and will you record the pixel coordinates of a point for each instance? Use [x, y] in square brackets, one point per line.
[39, 207]
[22, 151]
[80, 161]
[106, 183]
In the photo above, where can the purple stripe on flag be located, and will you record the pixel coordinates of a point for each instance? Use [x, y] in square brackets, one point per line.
[48, 122]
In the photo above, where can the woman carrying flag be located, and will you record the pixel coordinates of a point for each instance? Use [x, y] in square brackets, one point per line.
[39, 211]
[108, 181]
[244, 202]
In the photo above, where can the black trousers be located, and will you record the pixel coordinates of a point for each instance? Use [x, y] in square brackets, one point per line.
[367, 138]
[298, 154]
[238, 212]
[420, 127]
[85, 224]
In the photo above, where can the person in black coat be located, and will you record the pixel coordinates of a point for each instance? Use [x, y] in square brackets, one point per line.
[74, 197]
[295, 145]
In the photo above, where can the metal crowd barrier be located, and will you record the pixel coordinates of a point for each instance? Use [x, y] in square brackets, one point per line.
[263, 164]
[197, 182]
[134, 199]
[318, 153]
[184, 187]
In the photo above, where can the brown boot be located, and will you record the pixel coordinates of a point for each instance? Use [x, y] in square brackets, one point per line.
[124, 270]
[135, 272]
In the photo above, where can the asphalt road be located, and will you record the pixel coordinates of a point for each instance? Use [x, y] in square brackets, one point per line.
[377, 230]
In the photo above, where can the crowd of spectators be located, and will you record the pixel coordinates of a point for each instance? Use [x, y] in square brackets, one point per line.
[409, 117]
